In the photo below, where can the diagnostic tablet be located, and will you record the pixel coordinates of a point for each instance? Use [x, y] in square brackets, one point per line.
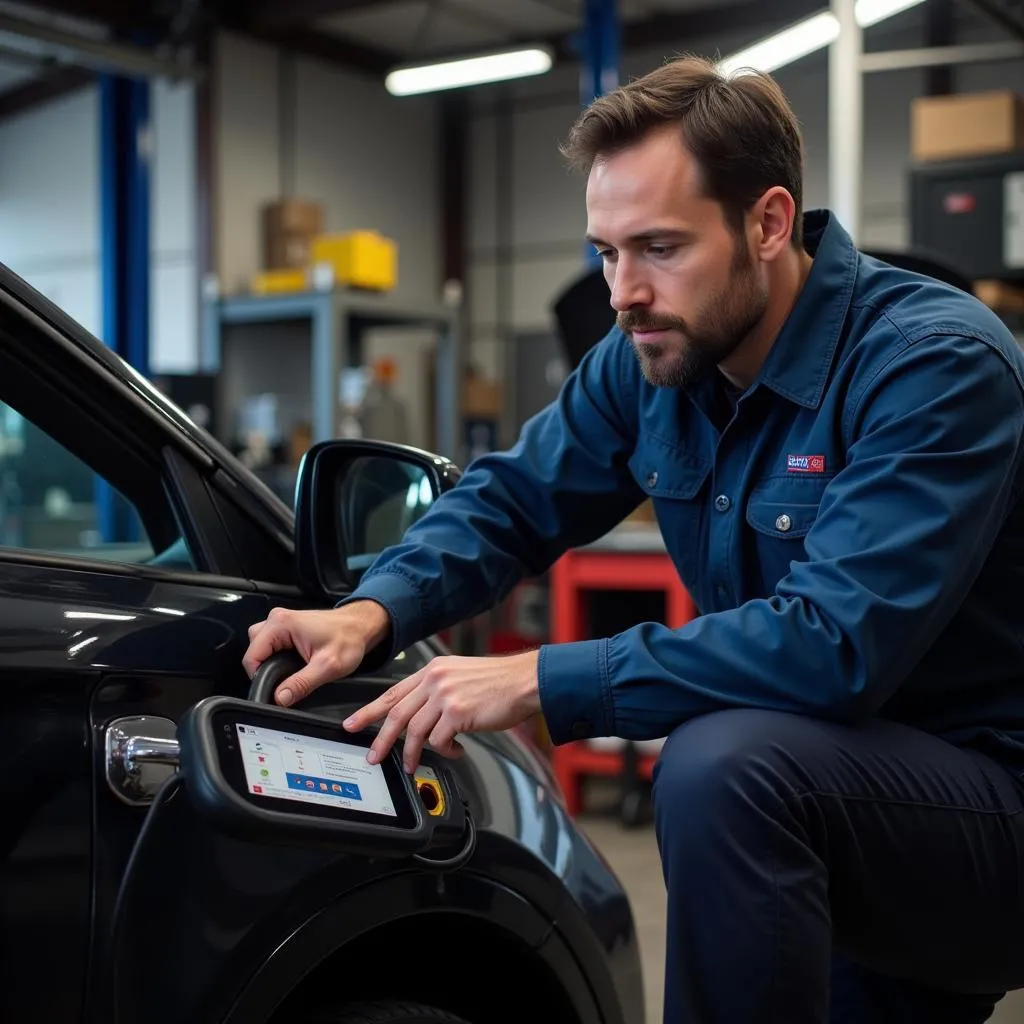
[282, 775]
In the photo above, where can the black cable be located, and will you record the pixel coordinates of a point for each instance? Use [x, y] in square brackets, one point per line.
[164, 793]
[450, 863]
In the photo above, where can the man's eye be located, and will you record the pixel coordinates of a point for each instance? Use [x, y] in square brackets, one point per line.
[660, 251]
[606, 254]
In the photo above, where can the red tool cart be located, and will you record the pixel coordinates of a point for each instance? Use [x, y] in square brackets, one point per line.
[631, 557]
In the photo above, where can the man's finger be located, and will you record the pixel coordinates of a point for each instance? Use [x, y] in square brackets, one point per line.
[256, 627]
[442, 739]
[398, 718]
[420, 726]
[302, 683]
[263, 645]
[377, 709]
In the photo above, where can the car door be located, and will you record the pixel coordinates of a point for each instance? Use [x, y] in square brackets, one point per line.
[121, 594]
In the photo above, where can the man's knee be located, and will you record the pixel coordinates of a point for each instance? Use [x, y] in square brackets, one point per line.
[730, 758]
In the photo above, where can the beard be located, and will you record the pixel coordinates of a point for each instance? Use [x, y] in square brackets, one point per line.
[709, 337]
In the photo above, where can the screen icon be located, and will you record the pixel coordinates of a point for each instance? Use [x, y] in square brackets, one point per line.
[257, 789]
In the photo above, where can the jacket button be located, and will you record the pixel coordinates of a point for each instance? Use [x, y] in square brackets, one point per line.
[581, 729]
[783, 523]
[722, 503]
[652, 479]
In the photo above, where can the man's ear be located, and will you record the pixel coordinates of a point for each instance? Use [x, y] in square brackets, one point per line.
[774, 213]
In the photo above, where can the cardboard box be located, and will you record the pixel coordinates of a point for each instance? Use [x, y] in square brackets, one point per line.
[360, 259]
[966, 125]
[481, 398]
[289, 227]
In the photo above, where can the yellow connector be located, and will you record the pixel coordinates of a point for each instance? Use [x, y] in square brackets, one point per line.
[431, 794]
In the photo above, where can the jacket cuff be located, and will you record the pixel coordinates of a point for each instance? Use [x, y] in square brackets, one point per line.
[575, 694]
[400, 599]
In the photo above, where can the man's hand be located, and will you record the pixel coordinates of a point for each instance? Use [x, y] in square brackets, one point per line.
[332, 643]
[448, 696]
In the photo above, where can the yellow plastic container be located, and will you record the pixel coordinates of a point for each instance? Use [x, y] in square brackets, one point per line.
[360, 259]
[279, 282]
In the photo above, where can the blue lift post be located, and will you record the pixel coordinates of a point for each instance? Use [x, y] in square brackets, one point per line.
[125, 135]
[599, 73]
[599, 61]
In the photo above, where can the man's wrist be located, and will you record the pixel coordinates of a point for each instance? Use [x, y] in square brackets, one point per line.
[373, 618]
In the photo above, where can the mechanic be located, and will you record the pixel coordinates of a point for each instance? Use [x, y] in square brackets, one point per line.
[834, 450]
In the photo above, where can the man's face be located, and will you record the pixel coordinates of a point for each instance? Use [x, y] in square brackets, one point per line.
[687, 290]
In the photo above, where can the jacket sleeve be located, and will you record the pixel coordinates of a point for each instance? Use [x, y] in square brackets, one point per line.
[566, 482]
[902, 532]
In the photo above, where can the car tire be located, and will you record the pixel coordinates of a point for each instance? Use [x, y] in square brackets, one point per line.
[390, 1011]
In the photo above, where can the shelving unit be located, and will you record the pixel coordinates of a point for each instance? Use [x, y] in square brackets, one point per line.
[297, 345]
[628, 558]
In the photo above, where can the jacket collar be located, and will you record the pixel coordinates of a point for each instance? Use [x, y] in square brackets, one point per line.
[799, 362]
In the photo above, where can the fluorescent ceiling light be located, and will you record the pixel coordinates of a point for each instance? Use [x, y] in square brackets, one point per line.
[456, 74]
[870, 12]
[814, 33]
[786, 46]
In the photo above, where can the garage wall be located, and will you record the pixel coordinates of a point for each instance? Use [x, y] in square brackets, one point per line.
[304, 128]
[50, 203]
[521, 257]
[50, 213]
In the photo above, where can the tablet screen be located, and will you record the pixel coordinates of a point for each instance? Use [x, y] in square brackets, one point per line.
[308, 769]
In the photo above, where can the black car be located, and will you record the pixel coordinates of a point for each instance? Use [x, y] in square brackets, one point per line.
[103, 639]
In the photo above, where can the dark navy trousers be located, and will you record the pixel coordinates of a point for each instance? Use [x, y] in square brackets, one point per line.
[820, 873]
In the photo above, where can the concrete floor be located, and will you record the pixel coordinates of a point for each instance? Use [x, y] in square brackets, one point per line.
[633, 854]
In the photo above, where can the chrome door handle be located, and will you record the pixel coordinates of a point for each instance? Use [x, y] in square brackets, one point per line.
[141, 752]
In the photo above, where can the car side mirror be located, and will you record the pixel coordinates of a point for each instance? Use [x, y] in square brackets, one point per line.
[353, 499]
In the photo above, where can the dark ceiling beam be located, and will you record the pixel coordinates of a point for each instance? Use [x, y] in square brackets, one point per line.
[1002, 15]
[329, 48]
[114, 14]
[285, 13]
[49, 86]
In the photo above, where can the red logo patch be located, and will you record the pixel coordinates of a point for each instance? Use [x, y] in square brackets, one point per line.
[805, 463]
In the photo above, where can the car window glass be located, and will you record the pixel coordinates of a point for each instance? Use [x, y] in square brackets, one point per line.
[53, 503]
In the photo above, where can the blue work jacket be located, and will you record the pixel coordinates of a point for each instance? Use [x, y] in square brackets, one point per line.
[853, 536]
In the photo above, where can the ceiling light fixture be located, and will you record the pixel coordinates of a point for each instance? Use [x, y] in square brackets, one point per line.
[466, 71]
[803, 38]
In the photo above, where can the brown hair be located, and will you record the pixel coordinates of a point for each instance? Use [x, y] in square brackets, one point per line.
[741, 131]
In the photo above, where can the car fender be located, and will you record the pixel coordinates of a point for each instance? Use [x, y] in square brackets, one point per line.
[371, 905]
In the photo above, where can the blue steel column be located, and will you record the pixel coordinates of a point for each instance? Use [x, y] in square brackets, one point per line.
[600, 49]
[599, 61]
[125, 136]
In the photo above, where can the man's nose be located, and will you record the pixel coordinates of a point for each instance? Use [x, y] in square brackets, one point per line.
[628, 287]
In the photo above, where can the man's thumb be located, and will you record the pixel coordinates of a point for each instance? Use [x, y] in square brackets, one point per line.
[294, 688]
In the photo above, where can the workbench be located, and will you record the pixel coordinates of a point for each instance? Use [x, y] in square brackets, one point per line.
[630, 557]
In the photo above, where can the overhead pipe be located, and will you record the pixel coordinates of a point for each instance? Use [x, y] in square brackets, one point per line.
[99, 54]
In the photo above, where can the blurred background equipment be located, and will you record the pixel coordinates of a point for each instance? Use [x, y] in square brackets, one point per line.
[584, 314]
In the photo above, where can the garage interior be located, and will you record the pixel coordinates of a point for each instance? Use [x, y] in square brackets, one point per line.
[293, 242]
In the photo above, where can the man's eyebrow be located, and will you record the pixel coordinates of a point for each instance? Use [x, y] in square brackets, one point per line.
[651, 235]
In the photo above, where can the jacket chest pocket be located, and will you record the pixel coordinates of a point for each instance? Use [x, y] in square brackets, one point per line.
[781, 511]
[674, 481]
